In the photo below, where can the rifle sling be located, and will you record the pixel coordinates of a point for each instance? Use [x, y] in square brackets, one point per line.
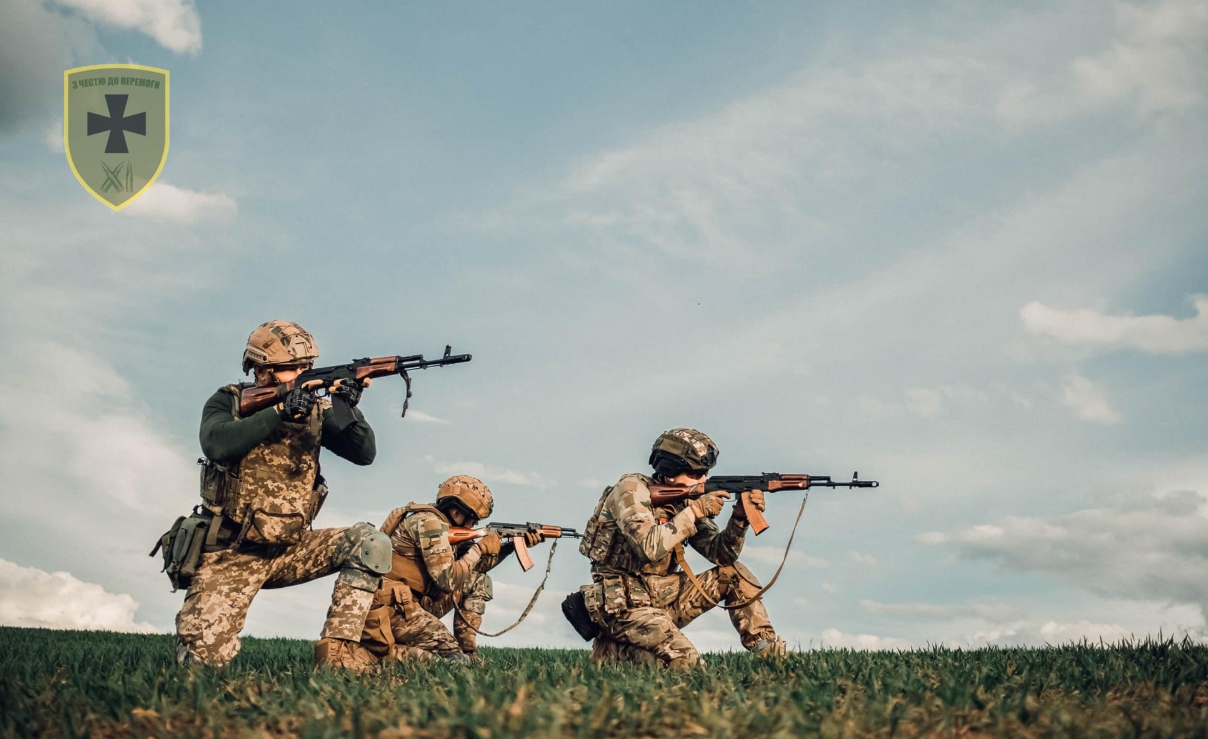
[549, 563]
[683, 563]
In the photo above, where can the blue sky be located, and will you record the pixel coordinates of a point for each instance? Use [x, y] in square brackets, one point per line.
[957, 247]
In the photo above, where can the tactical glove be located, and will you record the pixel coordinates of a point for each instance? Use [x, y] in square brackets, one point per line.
[350, 390]
[533, 538]
[708, 505]
[489, 545]
[757, 500]
[297, 404]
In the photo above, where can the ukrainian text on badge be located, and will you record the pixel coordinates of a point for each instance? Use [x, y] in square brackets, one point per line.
[115, 129]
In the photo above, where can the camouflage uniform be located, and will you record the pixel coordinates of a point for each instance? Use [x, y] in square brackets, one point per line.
[638, 597]
[425, 583]
[264, 502]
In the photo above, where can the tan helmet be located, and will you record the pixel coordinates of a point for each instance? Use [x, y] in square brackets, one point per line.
[468, 493]
[685, 449]
[279, 343]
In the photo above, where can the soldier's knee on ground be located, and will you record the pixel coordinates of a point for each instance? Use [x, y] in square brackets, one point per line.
[404, 653]
[364, 553]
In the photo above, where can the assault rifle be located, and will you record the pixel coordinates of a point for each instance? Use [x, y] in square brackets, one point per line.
[741, 485]
[326, 379]
[515, 532]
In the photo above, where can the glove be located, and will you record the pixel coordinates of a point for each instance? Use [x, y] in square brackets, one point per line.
[350, 390]
[757, 500]
[709, 505]
[533, 538]
[297, 404]
[489, 545]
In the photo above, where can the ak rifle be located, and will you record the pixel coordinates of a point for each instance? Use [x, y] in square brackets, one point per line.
[326, 379]
[515, 532]
[742, 485]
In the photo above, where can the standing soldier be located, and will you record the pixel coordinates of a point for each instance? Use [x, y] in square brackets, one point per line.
[262, 488]
[637, 598]
[429, 577]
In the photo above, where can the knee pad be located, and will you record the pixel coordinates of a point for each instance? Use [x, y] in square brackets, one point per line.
[360, 579]
[367, 549]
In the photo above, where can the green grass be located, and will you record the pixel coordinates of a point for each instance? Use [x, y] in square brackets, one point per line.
[57, 683]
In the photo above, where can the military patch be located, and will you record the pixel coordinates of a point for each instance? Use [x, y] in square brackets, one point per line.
[115, 129]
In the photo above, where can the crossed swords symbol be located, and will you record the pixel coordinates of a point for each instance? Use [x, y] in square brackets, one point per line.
[113, 177]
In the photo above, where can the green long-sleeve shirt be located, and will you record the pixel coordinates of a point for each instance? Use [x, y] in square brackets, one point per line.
[226, 440]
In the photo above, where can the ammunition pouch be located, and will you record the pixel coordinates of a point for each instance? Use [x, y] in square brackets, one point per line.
[219, 483]
[184, 543]
[574, 608]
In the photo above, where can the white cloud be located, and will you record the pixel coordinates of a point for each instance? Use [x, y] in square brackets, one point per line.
[422, 417]
[54, 135]
[829, 587]
[1153, 61]
[1155, 334]
[168, 203]
[1086, 398]
[174, 24]
[862, 559]
[1148, 548]
[1160, 57]
[488, 474]
[835, 639]
[925, 402]
[56, 600]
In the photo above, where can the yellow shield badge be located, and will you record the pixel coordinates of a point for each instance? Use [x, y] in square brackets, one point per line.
[115, 129]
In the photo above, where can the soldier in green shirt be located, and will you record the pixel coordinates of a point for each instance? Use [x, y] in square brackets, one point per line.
[263, 489]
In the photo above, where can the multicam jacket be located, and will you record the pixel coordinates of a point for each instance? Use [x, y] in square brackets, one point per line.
[628, 535]
[423, 556]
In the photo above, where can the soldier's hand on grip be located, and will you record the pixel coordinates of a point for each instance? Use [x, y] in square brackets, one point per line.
[757, 500]
[533, 538]
[709, 505]
[297, 404]
[489, 545]
[350, 390]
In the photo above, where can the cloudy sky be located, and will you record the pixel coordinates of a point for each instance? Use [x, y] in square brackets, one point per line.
[959, 247]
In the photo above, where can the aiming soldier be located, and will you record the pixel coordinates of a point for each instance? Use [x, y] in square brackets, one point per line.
[640, 596]
[261, 490]
[430, 576]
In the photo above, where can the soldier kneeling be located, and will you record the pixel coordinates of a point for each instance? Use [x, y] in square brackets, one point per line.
[639, 598]
[430, 577]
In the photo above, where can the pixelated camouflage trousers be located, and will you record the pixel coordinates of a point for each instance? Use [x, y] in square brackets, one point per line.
[647, 627]
[215, 607]
[403, 625]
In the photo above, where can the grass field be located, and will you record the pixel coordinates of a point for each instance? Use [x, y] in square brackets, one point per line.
[55, 683]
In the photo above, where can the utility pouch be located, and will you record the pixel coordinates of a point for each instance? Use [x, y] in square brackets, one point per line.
[218, 483]
[574, 608]
[183, 545]
[614, 600]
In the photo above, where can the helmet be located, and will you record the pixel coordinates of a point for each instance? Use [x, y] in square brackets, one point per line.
[279, 342]
[681, 450]
[467, 493]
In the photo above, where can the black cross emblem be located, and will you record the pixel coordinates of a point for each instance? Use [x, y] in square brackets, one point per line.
[117, 124]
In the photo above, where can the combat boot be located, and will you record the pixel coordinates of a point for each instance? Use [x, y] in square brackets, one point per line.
[463, 630]
[770, 648]
[344, 654]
